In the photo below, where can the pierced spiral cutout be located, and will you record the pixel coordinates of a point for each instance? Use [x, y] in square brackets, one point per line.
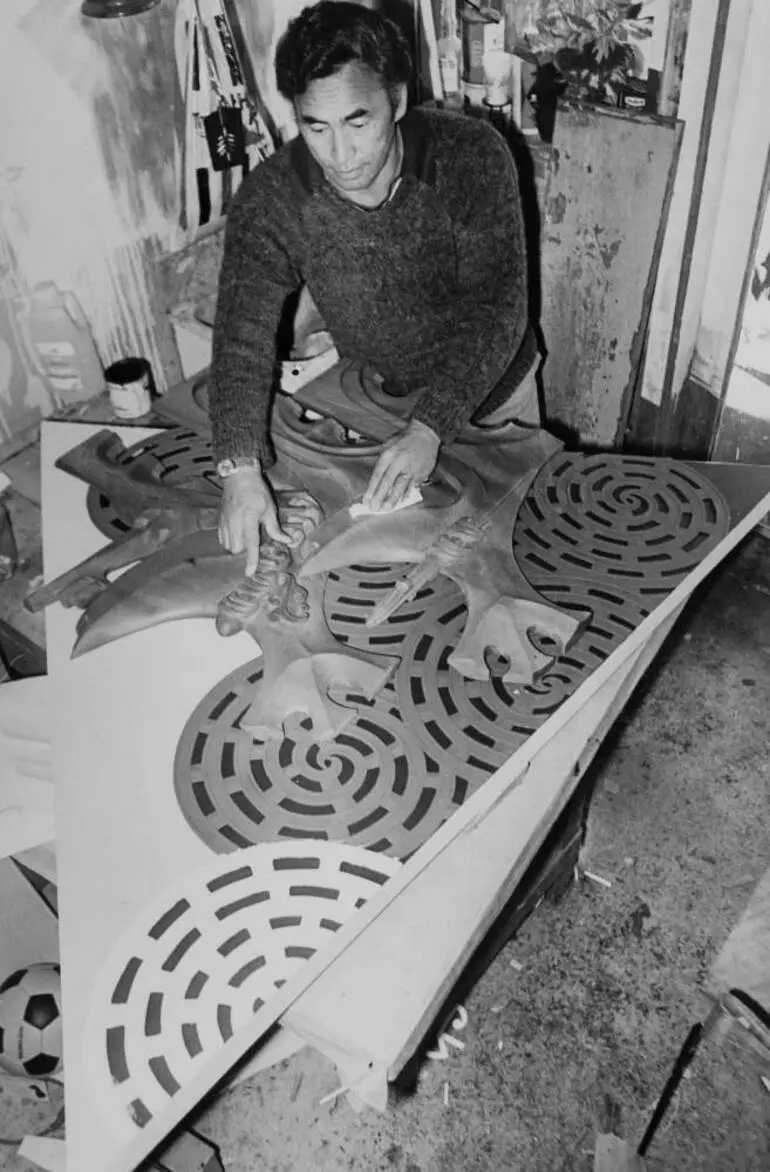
[205, 957]
[611, 534]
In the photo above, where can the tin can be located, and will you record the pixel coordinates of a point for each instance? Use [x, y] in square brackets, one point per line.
[130, 386]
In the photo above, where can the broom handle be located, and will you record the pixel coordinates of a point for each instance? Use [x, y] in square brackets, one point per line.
[686, 1055]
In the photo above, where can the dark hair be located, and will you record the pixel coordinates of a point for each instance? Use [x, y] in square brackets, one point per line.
[328, 35]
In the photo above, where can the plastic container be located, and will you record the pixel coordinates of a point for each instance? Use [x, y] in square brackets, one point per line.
[498, 72]
[60, 345]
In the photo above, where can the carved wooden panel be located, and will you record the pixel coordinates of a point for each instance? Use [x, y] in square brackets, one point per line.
[204, 958]
[603, 534]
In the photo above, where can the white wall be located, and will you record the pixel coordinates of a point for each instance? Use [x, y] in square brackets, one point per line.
[74, 207]
[744, 166]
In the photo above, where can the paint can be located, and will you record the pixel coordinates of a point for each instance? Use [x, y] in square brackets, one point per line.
[130, 386]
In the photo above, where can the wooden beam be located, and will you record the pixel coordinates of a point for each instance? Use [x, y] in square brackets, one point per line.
[745, 164]
[695, 108]
[743, 961]
[673, 64]
[723, 388]
[604, 217]
[718, 133]
[188, 1152]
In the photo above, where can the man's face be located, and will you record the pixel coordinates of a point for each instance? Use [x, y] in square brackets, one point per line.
[348, 121]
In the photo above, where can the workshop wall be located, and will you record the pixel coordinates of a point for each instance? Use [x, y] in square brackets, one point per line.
[89, 177]
[87, 182]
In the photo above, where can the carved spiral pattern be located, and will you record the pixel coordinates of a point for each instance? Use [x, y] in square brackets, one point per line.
[611, 534]
[406, 762]
[204, 958]
[634, 522]
[371, 786]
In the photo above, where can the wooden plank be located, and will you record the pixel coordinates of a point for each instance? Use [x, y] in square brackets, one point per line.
[743, 961]
[28, 929]
[604, 214]
[377, 1002]
[695, 106]
[26, 767]
[189, 1152]
[744, 420]
[673, 64]
[746, 171]
[44, 1152]
[106, 772]
[741, 434]
[615, 1155]
[717, 131]
[19, 442]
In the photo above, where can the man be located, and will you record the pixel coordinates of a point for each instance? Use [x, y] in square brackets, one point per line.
[405, 228]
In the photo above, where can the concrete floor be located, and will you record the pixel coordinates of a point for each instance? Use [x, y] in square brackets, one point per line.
[607, 987]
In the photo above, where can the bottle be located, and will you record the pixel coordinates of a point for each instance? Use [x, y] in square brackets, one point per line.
[59, 342]
[450, 49]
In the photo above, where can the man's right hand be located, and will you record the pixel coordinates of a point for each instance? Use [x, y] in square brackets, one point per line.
[247, 503]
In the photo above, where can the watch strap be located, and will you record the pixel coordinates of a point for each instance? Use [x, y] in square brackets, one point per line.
[230, 465]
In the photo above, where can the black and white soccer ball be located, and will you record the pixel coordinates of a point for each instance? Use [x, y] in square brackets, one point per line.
[31, 1022]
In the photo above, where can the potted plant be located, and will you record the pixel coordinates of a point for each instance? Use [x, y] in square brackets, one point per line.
[591, 45]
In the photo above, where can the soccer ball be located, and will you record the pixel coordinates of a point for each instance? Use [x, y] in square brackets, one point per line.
[30, 1022]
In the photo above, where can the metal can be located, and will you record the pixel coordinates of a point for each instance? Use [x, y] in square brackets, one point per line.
[130, 386]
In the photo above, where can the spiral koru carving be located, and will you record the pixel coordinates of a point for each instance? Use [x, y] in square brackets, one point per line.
[632, 522]
[372, 785]
[607, 534]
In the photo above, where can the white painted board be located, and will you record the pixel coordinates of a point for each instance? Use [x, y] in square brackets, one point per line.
[121, 837]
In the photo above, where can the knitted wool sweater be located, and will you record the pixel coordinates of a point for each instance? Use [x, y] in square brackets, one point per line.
[430, 288]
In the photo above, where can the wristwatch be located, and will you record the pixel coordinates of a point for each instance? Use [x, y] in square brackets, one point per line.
[230, 465]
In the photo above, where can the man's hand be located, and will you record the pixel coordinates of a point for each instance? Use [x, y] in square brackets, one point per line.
[247, 503]
[407, 460]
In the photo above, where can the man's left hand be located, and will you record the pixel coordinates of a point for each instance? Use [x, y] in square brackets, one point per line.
[406, 461]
